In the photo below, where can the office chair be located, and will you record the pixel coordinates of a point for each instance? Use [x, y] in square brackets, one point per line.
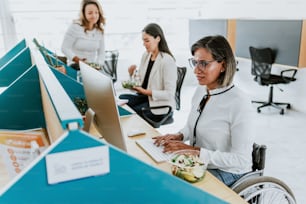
[262, 60]
[167, 118]
[111, 61]
[256, 188]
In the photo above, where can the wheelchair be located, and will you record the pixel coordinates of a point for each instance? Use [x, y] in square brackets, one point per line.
[255, 188]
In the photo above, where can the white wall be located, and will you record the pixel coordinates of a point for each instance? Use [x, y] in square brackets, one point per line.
[48, 20]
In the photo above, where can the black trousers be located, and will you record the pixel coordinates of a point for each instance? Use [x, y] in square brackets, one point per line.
[136, 101]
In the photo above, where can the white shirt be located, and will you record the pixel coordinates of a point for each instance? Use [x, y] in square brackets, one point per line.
[89, 45]
[224, 130]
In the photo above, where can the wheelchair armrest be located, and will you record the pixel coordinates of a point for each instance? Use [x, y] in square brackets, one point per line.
[290, 78]
[165, 116]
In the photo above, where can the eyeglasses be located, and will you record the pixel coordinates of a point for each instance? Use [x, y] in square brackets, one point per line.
[201, 64]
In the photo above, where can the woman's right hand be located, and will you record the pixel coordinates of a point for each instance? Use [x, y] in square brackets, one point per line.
[76, 59]
[131, 69]
[159, 140]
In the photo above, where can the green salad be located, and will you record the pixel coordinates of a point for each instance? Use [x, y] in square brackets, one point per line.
[128, 84]
[188, 167]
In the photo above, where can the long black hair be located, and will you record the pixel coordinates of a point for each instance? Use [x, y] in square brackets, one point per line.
[155, 30]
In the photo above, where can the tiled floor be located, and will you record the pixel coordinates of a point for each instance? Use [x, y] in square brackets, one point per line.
[284, 135]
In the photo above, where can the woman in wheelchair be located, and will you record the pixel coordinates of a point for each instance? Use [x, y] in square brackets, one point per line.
[220, 122]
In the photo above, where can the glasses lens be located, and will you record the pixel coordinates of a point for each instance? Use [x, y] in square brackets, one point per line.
[192, 62]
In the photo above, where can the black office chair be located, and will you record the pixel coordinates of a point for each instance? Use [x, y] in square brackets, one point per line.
[111, 61]
[167, 118]
[262, 60]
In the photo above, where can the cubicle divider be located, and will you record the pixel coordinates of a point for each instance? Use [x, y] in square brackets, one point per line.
[20, 103]
[17, 65]
[12, 52]
[52, 60]
[55, 61]
[128, 180]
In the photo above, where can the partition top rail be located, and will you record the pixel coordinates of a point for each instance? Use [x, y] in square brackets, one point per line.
[67, 113]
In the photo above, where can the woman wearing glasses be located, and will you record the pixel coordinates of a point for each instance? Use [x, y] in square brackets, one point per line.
[219, 124]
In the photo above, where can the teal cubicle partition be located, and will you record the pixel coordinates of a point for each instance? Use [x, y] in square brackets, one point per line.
[17, 65]
[52, 60]
[20, 103]
[72, 87]
[12, 52]
[129, 180]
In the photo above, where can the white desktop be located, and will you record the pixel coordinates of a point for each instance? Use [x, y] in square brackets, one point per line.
[103, 110]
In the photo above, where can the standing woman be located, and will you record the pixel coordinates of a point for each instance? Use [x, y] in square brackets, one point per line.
[157, 72]
[84, 39]
[220, 121]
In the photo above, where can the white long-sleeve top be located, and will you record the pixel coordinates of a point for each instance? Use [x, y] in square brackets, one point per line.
[89, 44]
[224, 130]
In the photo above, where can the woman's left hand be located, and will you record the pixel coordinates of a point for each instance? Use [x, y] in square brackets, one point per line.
[174, 145]
[143, 91]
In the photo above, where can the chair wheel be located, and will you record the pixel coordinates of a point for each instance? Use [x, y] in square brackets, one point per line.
[288, 106]
[258, 110]
[282, 112]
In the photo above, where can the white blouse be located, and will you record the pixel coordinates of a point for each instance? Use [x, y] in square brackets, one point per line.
[224, 129]
[89, 45]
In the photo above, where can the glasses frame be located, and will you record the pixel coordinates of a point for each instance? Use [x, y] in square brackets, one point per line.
[201, 64]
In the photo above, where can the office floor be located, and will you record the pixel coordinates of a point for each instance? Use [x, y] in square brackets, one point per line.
[284, 135]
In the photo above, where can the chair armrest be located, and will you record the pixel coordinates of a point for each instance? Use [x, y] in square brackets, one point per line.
[289, 78]
[162, 117]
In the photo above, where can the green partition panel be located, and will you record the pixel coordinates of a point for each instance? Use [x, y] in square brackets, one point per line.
[129, 181]
[12, 52]
[20, 104]
[15, 67]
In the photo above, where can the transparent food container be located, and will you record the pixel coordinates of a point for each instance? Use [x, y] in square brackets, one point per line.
[128, 84]
[187, 165]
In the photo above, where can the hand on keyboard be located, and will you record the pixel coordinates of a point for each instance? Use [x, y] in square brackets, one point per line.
[155, 152]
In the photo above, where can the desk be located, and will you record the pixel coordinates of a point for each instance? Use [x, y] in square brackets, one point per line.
[209, 184]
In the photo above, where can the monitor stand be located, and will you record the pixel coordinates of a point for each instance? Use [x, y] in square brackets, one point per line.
[89, 118]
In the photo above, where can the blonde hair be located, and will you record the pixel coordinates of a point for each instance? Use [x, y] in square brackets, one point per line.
[83, 21]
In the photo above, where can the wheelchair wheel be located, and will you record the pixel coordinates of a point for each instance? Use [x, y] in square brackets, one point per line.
[265, 190]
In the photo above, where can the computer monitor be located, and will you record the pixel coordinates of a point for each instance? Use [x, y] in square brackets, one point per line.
[103, 110]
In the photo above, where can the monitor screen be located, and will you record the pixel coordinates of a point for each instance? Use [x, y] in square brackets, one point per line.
[103, 110]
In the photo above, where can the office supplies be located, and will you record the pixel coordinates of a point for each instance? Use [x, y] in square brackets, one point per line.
[135, 132]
